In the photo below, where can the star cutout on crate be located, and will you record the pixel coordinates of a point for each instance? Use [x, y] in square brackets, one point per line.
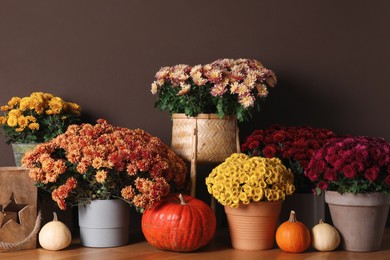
[11, 211]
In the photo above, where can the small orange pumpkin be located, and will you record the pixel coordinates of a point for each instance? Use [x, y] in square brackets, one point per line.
[293, 236]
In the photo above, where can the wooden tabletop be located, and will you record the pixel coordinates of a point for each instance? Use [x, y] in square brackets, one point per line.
[218, 248]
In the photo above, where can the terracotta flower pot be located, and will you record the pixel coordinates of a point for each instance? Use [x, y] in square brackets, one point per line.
[252, 227]
[360, 218]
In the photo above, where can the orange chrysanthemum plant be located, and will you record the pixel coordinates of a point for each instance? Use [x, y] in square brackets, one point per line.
[101, 161]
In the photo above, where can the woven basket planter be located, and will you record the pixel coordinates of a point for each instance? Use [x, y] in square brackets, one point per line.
[206, 136]
[204, 139]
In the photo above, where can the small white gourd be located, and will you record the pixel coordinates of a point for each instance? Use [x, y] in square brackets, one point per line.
[55, 235]
[325, 237]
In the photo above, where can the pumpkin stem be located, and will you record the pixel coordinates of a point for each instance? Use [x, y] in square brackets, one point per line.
[292, 217]
[55, 216]
[182, 201]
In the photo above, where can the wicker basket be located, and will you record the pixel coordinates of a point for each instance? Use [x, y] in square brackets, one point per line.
[205, 138]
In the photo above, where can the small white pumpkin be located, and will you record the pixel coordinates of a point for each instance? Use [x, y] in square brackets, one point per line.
[325, 237]
[55, 235]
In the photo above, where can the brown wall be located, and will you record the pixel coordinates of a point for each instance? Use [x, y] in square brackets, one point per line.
[331, 57]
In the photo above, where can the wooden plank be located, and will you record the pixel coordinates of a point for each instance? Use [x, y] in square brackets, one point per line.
[218, 248]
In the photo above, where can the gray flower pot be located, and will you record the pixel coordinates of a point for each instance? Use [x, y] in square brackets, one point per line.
[19, 149]
[360, 218]
[104, 223]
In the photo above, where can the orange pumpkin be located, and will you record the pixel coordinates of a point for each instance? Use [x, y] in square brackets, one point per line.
[179, 223]
[293, 236]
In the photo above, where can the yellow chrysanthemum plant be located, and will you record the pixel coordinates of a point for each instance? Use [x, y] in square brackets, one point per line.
[37, 118]
[243, 179]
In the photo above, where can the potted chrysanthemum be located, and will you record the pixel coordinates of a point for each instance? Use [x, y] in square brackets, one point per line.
[205, 102]
[94, 165]
[232, 87]
[35, 119]
[354, 173]
[294, 146]
[249, 187]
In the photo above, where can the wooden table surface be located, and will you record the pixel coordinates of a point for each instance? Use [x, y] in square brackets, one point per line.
[218, 248]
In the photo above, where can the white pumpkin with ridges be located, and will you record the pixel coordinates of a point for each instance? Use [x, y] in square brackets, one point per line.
[55, 235]
[325, 237]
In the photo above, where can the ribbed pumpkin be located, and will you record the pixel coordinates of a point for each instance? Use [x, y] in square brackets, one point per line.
[179, 223]
[293, 236]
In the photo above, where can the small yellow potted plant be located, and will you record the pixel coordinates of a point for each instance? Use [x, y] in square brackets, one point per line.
[35, 119]
[250, 187]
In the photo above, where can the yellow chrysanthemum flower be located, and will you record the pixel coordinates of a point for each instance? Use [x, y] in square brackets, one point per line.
[235, 200]
[24, 103]
[220, 178]
[23, 122]
[258, 192]
[290, 189]
[228, 201]
[15, 113]
[12, 121]
[247, 189]
[262, 184]
[3, 120]
[74, 108]
[242, 196]
[33, 126]
[56, 105]
[5, 108]
[14, 102]
[31, 118]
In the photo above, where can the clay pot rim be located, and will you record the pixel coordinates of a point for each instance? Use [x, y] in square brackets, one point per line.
[357, 199]
[251, 209]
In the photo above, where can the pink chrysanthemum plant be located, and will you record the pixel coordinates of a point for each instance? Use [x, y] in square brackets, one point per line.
[351, 164]
[225, 87]
[101, 161]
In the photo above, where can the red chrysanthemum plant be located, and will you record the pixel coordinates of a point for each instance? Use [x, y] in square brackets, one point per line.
[293, 145]
[351, 164]
[101, 161]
